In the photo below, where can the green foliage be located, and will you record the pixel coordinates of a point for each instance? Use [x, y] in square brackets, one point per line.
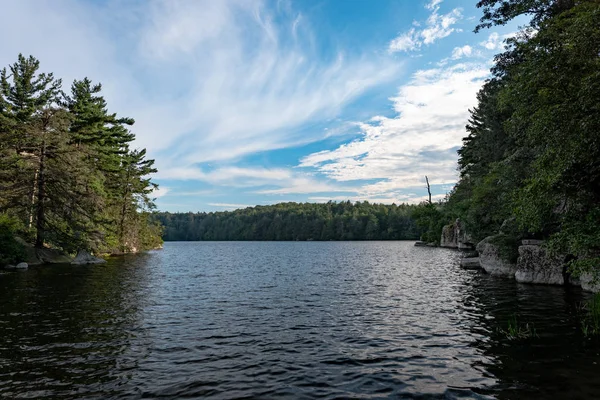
[499, 12]
[590, 324]
[295, 221]
[429, 218]
[11, 251]
[66, 169]
[532, 153]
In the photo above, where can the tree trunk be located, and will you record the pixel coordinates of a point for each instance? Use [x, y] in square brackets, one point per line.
[123, 215]
[32, 202]
[40, 223]
[428, 188]
[122, 227]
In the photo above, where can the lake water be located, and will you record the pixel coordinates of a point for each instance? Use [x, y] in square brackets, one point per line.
[297, 320]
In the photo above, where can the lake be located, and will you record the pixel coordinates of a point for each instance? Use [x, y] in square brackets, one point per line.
[298, 320]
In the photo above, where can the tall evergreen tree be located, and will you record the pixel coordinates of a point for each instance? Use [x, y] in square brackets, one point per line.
[32, 129]
[66, 169]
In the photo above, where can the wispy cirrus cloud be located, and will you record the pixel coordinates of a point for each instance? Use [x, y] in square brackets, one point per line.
[266, 181]
[437, 26]
[207, 81]
[251, 86]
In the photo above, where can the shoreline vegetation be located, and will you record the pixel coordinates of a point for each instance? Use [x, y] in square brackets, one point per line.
[529, 188]
[70, 183]
[296, 222]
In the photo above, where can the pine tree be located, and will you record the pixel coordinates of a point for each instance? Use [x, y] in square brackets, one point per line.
[31, 132]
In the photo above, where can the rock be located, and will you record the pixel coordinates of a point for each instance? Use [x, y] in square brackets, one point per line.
[449, 238]
[454, 236]
[470, 263]
[535, 265]
[22, 265]
[588, 284]
[52, 256]
[495, 255]
[83, 257]
[424, 244]
[9, 266]
[470, 254]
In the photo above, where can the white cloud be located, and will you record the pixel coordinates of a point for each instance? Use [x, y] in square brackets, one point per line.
[460, 52]
[250, 86]
[437, 27]
[408, 41]
[227, 176]
[160, 192]
[274, 181]
[433, 4]
[440, 26]
[495, 41]
[229, 206]
[432, 111]
[305, 185]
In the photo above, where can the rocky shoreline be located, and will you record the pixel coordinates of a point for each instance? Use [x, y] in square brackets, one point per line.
[494, 254]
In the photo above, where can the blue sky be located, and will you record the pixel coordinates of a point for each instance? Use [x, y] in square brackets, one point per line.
[247, 102]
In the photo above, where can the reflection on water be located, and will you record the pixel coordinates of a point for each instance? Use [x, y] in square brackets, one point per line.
[287, 320]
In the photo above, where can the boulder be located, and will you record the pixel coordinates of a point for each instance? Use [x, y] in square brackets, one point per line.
[535, 265]
[22, 265]
[448, 238]
[587, 282]
[454, 236]
[496, 255]
[470, 263]
[83, 257]
[52, 256]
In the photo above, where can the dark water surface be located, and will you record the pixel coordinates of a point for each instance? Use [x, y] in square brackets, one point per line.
[287, 320]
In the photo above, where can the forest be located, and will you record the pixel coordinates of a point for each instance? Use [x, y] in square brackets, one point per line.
[296, 221]
[69, 178]
[530, 162]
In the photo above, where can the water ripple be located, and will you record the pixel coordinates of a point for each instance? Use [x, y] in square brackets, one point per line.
[286, 320]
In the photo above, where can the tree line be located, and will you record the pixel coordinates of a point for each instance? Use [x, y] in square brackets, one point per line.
[531, 160]
[295, 221]
[69, 177]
